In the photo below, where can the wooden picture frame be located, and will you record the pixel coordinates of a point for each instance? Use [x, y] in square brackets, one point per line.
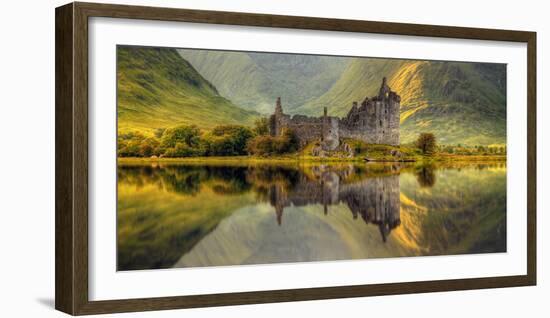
[71, 90]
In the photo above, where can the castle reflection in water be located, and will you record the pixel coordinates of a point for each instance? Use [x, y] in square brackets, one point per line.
[196, 214]
[375, 199]
[371, 194]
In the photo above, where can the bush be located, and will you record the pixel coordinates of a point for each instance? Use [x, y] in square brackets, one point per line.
[264, 145]
[261, 145]
[182, 150]
[288, 142]
[261, 126]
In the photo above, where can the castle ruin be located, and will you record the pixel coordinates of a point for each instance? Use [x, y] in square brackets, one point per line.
[375, 121]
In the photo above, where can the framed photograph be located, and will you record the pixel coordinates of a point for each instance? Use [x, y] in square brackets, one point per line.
[211, 158]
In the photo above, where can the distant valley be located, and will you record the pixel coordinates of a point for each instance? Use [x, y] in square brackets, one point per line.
[254, 80]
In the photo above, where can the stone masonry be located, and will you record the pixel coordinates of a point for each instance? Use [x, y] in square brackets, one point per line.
[375, 121]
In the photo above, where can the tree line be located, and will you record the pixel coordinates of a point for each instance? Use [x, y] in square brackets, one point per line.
[222, 140]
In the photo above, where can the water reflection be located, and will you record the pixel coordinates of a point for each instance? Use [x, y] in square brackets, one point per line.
[375, 199]
[200, 215]
[426, 175]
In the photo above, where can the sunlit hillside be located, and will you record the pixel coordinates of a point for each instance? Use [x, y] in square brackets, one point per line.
[460, 102]
[157, 88]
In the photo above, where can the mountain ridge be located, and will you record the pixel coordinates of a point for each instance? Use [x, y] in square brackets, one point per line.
[157, 88]
[459, 102]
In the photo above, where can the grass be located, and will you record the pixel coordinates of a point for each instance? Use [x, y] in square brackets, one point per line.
[157, 88]
[380, 153]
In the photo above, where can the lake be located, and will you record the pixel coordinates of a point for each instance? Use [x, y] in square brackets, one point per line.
[197, 214]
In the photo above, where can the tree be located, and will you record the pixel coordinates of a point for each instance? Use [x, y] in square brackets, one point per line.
[261, 145]
[426, 143]
[189, 135]
[182, 150]
[288, 142]
[129, 144]
[159, 132]
[261, 126]
[148, 146]
[229, 140]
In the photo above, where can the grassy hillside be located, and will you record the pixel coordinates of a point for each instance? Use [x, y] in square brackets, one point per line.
[157, 88]
[255, 80]
[459, 102]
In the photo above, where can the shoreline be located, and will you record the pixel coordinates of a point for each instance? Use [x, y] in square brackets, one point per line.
[311, 159]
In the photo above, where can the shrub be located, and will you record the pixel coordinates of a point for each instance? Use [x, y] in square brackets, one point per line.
[261, 145]
[264, 145]
[261, 126]
[182, 150]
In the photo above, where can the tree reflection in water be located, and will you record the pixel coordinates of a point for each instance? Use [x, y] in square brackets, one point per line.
[165, 210]
[374, 197]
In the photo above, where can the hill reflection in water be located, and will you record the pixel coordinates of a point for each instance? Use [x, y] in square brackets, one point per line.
[188, 215]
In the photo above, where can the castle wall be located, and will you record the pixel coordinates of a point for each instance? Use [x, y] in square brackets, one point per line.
[306, 129]
[376, 121]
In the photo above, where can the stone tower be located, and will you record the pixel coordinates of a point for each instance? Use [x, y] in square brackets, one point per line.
[278, 107]
[385, 90]
[278, 120]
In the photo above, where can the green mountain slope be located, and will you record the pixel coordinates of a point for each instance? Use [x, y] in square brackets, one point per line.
[255, 80]
[459, 102]
[157, 88]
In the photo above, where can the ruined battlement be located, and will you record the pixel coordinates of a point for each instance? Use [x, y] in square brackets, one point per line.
[375, 121]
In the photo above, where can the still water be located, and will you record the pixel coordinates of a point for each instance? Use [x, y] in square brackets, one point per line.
[190, 215]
